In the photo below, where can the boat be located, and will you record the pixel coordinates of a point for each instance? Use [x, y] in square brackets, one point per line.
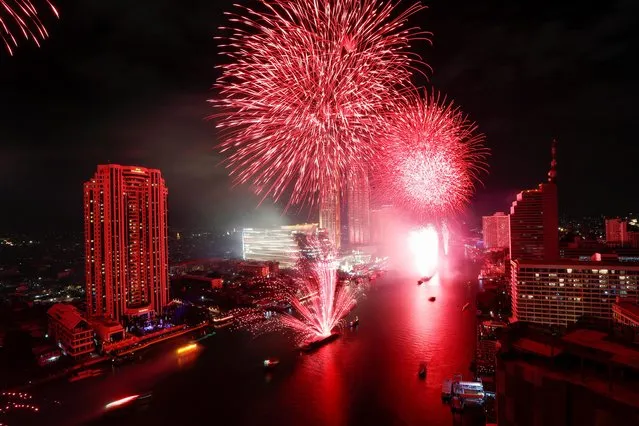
[85, 374]
[271, 362]
[355, 322]
[422, 371]
[431, 299]
[316, 344]
[466, 306]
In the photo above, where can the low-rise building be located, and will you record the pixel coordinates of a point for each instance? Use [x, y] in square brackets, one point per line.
[70, 330]
[626, 313]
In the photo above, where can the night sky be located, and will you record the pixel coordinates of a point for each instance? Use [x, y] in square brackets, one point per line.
[127, 81]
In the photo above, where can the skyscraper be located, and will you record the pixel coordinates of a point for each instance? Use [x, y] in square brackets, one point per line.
[329, 216]
[126, 242]
[534, 220]
[496, 230]
[359, 209]
[617, 232]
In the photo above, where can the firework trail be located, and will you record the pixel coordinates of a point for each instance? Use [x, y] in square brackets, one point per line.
[445, 235]
[20, 19]
[432, 158]
[303, 98]
[319, 302]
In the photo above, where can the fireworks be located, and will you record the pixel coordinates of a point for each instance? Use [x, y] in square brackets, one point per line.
[304, 95]
[318, 301]
[20, 18]
[432, 158]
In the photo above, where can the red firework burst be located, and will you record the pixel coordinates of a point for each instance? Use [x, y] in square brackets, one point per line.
[432, 158]
[302, 99]
[20, 18]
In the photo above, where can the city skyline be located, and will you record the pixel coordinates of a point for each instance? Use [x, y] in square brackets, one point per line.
[148, 110]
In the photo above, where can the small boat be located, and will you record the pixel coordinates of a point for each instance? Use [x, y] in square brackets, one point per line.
[271, 362]
[85, 374]
[316, 344]
[431, 299]
[466, 306]
[422, 371]
[355, 322]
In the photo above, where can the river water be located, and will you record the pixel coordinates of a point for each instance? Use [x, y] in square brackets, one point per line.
[366, 377]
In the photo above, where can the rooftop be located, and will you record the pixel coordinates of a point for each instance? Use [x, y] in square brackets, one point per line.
[67, 314]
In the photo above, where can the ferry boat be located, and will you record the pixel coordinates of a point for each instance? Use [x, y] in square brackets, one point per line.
[85, 374]
[271, 362]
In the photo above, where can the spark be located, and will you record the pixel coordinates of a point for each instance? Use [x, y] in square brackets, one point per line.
[303, 98]
[319, 302]
[432, 158]
[21, 19]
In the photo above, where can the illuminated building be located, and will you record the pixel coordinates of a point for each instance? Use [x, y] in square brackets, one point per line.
[617, 232]
[69, 330]
[276, 244]
[534, 221]
[126, 235]
[496, 230]
[559, 293]
[329, 217]
[359, 210]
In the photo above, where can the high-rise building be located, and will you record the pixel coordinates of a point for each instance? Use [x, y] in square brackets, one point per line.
[496, 230]
[359, 209]
[534, 220]
[126, 242]
[329, 216]
[559, 293]
[275, 244]
[617, 232]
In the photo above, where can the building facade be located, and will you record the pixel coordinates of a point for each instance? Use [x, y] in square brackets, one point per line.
[496, 231]
[617, 232]
[534, 224]
[69, 330]
[126, 242]
[559, 293]
[359, 209]
[275, 244]
[329, 217]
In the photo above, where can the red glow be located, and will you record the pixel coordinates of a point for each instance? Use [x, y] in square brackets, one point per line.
[304, 96]
[121, 402]
[424, 246]
[20, 18]
[432, 158]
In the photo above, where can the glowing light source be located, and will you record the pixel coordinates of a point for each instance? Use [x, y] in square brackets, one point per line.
[424, 245]
[121, 402]
[187, 348]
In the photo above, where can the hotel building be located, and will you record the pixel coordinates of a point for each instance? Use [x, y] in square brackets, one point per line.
[496, 231]
[359, 220]
[329, 217]
[559, 293]
[126, 242]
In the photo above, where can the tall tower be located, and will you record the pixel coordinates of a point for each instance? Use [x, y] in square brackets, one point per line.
[329, 216]
[534, 220]
[359, 209]
[126, 242]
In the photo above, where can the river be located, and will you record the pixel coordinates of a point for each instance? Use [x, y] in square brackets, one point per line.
[366, 377]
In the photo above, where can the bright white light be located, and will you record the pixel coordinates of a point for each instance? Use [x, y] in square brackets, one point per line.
[424, 245]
